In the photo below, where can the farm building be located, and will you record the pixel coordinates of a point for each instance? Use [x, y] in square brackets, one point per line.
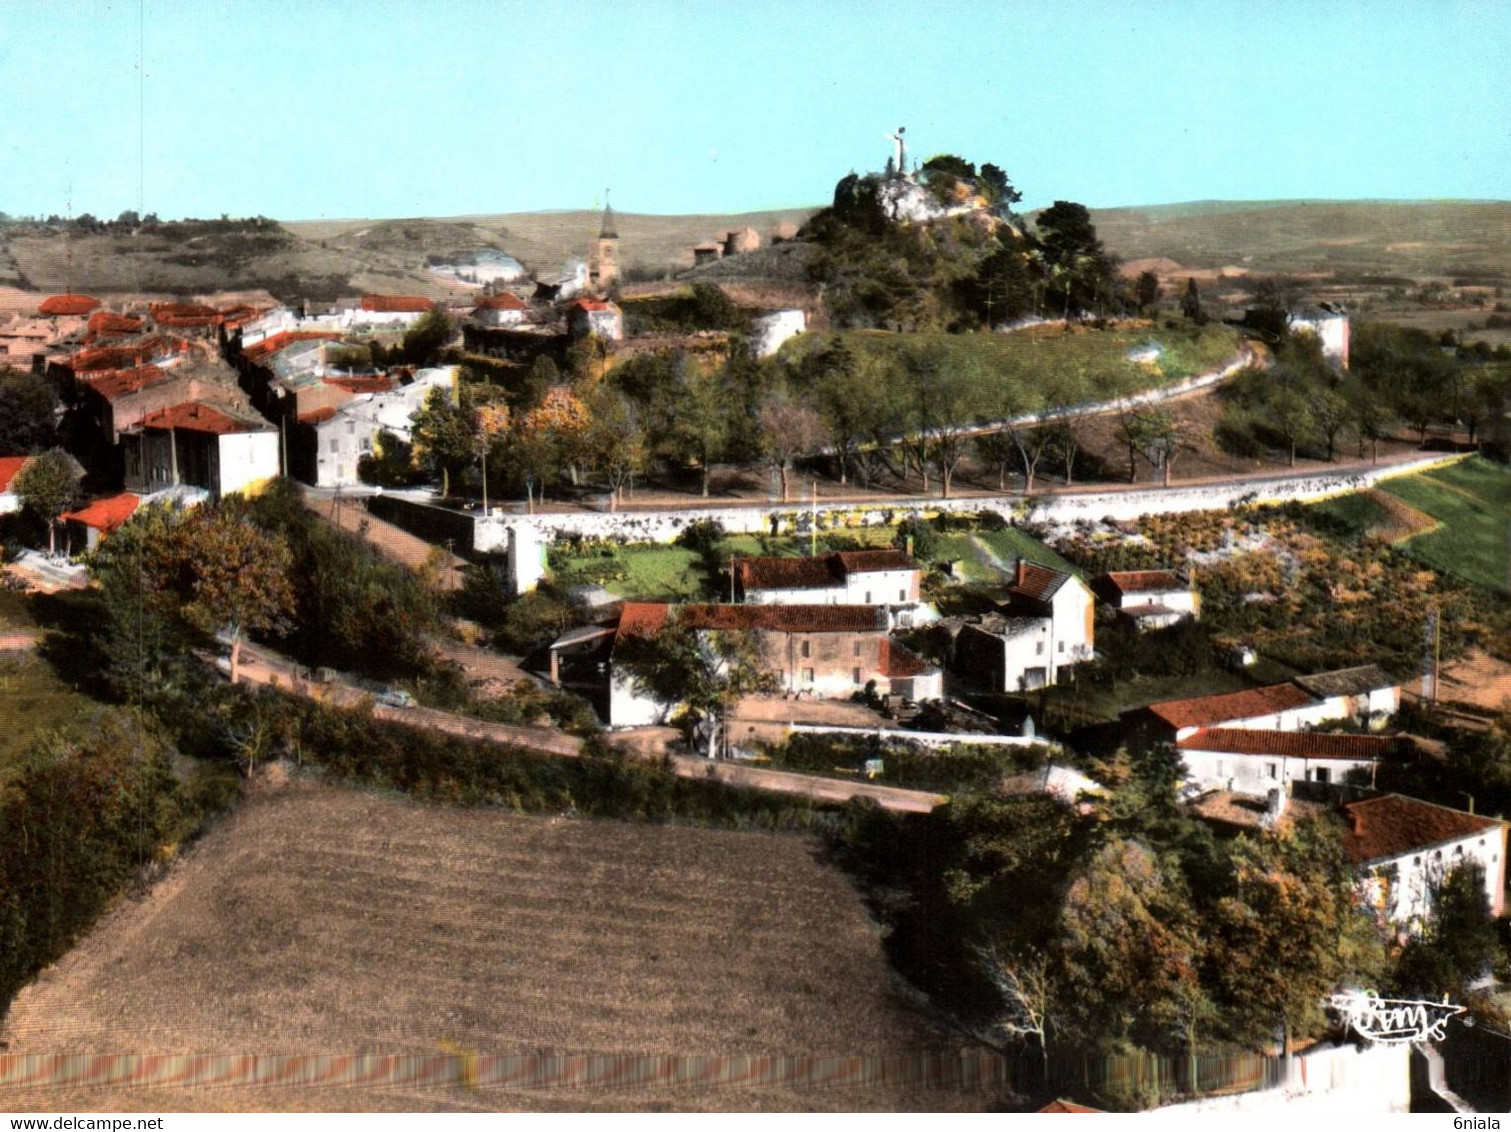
[1365, 694]
[856, 577]
[1274, 707]
[190, 444]
[1252, 761]
[84, 527]
[1044, 626]
[1150, 598]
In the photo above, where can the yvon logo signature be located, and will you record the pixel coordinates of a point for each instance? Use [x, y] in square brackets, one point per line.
[1393, 1019]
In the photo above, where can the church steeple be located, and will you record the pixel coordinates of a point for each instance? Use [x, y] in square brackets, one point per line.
[603, 266]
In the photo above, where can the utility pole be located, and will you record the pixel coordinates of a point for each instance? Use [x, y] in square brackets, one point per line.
[813, 520]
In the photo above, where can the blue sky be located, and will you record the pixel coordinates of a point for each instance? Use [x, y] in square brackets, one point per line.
[430, 107]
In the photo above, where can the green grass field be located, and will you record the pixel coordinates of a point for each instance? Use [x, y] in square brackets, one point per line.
[1472, 501]
[1050, 361]
[33, 703]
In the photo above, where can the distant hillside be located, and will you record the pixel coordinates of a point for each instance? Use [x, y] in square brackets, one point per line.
[1398, 238]
[543, 241]
[325, 258]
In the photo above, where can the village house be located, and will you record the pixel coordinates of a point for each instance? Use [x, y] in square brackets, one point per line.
[330, 441]
[500, 310]
[26, 344]
[84, 527]
[10, 470]
[1364, 694]
[67, 306]
[1152, 599]
[1274, 707]
[1250, 761]
[213, 448]
[1400, 848]
[389, 312]
[817, 650]
[104, 326]
[852, 577]
[1328, 323]
[1045, 626]
[572, 280]
[595, 316]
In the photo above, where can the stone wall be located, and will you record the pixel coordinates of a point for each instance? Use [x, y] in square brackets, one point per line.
[1055, 510]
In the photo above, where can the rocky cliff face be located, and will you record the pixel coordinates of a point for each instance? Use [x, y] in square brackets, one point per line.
[903, 200]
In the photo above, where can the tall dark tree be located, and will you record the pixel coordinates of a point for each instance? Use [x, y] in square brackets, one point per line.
[1190, 302]
[26, 414]
[1146, 290]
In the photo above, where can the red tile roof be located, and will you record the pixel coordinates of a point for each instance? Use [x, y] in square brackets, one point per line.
[55, 305]
[184, 314]
[191, 416]
[1038, 583]
[375, 383]
[816, 573]
[899, 661]
[108, 324]
[317, 416]
[396, 304]
[120, 382]
[785, 618]
[591, 305]
[642, 618]
[504, 302]
[270, 345]
[105, 514]
[1144, 581]
[1292, 744]
[1391, 826]
[10, 468]
[1248, 704]
[126, 355]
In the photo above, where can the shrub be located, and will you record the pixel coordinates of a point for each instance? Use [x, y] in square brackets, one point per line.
[704, 536]
[925, 542]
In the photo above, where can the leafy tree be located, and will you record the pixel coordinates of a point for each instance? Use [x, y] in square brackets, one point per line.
[1290, 414]
[431, 333]
[47, 486]
[1002, 288]
[615, 440]
[706, 672]
[444, 436]
[1330, 412]
[1164, 441]
[697, 423]
[1459, 943]
[1286, 932]
[552, 436]
[26, 413]
[1190, 303]
[789, 430]
[1077, 264]
[237, 574]
[1146, 290]
[996, 187]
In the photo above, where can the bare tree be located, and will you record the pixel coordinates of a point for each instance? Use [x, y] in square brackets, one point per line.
[1026, 987]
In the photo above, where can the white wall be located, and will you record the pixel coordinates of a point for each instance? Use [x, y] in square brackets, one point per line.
[627, 708]
[1249, 774]
[1407, 900]
[1342, 1081]
[769, 332]
[10, 502]
[247, 457]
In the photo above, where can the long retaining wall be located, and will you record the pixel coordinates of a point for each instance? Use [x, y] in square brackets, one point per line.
[1056, 510]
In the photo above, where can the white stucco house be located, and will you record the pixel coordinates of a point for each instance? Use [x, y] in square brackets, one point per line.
[1254, 762]
[883, 577]
[343, 435]
[1151, 598]
[1402, 847]
[211, 447]
[500, 310]
[1045, 626]
[1328, 322]
[1365, 693]
[1274, 707]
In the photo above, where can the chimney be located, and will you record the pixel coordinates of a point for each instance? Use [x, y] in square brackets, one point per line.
[1018, 573]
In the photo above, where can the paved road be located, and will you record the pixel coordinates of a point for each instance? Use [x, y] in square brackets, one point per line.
[262, 665]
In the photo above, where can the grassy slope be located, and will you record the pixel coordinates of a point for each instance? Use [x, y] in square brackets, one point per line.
[1472, 500]
[1030, 360]
[33, 703]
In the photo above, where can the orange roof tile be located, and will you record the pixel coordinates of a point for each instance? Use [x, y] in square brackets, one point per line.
[118, 383]
[1144, 581]
[125, 355]
[899, 661]
[184, 314]
[1392, 825]
[108, 323]
[10, 468]
[397, 304]
[317, 416]
[504, 302]
[785, 618]
[1248, 704]
[1292, 744]
[1038, 583]
[191, 416]
[275, 342]
[57, 305]
[105, 514]
[642, 618]
[817, 573]
[1067, 1106]
[376, 383]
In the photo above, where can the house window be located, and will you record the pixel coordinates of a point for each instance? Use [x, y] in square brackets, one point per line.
[1323, 774]
[1272, 770]
[857, 653]
[902, 595]
[807, 676]
[1062, 646]
[855, 676]
[868, 597]
[806, 650]
[1038, 648]
[335, 445]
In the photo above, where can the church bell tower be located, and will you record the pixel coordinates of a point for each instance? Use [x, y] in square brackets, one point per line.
[603, 265]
